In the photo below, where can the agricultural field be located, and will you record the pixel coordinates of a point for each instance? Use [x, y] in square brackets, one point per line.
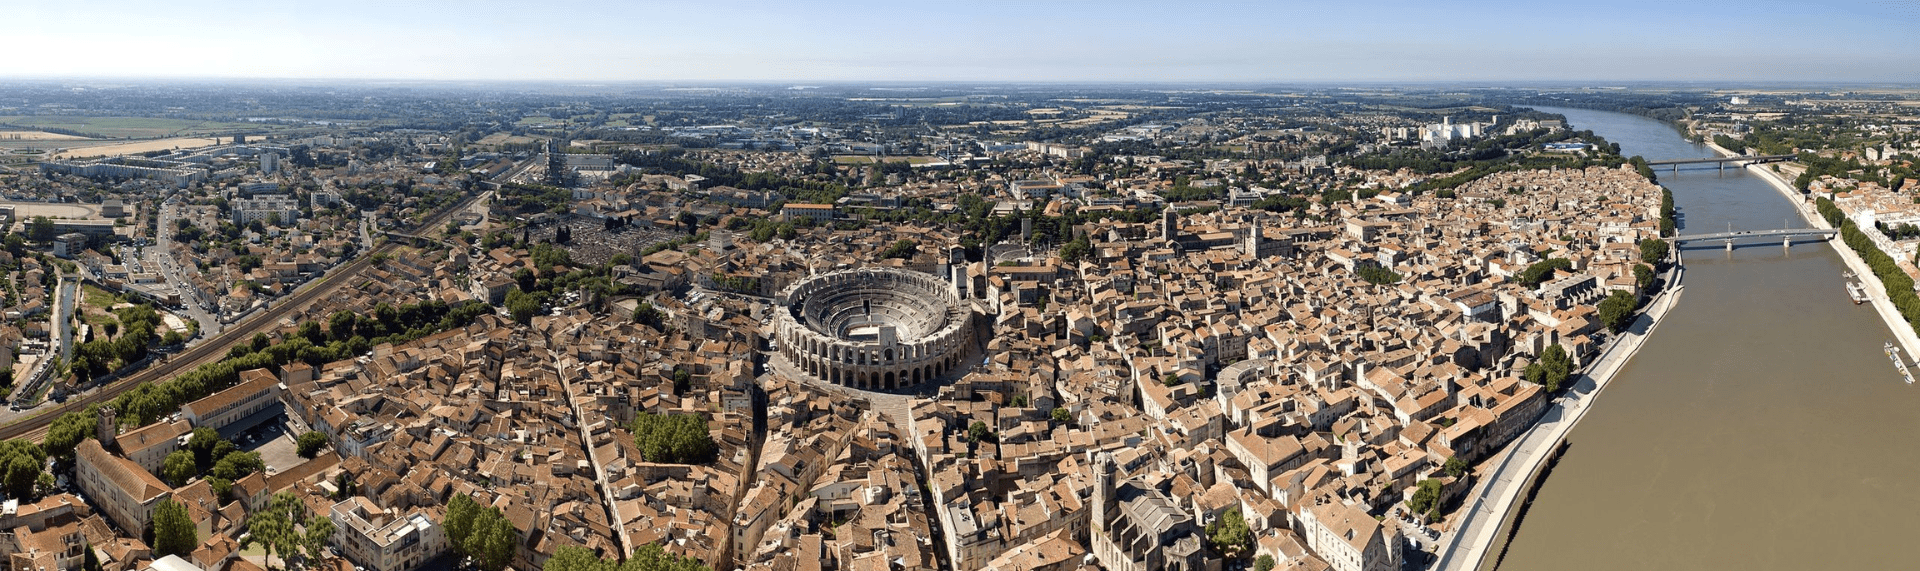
[113, 149]
[131, 127]
[36, 136]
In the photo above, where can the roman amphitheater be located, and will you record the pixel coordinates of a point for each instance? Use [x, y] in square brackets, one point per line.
[874, 329]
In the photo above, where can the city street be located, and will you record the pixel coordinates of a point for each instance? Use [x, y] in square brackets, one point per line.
[160, 256]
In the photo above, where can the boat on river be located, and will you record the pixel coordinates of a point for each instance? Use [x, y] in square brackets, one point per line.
[1898, 363]
[1859, 294]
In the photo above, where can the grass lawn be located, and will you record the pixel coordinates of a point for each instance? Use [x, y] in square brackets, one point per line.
[100, 298]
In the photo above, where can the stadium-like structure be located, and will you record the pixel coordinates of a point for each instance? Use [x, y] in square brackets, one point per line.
[873, 328]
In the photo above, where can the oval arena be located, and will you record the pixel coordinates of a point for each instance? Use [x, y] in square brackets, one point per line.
[876, 329]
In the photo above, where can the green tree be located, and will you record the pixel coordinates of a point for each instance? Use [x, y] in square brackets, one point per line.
[1552, 369]
[274, 528]
[648, 557]
[902, 249]
[238, 465]
[1426, 499]
[492, 541]
[319, 530]
[221, 488]
[980, 432]
[1230, 535]
[67, 432]
[1061, 415]
[178, 468]
[1616, 311]
[646, 314]
[1455, 467]
[1654, 250]
[310, 443]
[173, 532]
[652, 557]
[340, 325]
[221, 449]
[672, 438]
[575, 558]
[41, 229]
[1074, 250]
[1541, 271]
[1376, 275]
[1264, 562]
[458, 522]
[91, 561]
[1642, 276]
[20, 467]
[522, 305]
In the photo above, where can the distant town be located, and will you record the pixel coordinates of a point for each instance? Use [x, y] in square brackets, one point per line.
[845, 327]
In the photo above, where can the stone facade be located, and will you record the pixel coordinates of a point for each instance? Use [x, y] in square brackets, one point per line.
[873, 328]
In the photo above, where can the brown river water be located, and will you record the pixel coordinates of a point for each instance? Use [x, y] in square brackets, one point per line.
[1761, 427]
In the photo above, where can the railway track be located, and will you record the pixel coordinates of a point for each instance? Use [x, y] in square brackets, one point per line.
[216, 347]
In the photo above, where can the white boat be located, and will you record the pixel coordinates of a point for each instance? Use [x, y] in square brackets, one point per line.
[1857, 293]
[1893, 353]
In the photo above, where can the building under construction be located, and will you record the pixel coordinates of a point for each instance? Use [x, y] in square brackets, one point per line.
[557, 172]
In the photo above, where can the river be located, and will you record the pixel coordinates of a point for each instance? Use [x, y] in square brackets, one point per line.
[1760, 428]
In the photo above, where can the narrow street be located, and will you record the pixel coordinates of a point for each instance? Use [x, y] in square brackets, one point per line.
[614, 518]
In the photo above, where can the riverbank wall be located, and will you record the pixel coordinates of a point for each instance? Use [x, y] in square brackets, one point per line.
[1903, 333]
[1483, 532]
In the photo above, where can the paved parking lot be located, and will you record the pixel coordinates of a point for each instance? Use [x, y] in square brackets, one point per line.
[275, 443]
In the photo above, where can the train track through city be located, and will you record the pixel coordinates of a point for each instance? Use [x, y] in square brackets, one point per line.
[216, 347]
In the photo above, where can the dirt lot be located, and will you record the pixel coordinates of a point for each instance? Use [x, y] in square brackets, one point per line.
[27, 210]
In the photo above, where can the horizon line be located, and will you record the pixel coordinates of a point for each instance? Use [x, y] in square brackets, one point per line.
[1090, 82]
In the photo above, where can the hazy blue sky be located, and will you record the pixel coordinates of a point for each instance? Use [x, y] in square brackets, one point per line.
[971, 40]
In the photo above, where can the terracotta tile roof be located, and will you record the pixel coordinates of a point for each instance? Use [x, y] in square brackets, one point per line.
[129, 477]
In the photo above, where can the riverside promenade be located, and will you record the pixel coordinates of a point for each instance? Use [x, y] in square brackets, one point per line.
[1876, 292]
[1494, 497]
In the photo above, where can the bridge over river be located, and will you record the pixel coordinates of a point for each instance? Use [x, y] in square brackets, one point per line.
[1722, 161]
[1786, 236]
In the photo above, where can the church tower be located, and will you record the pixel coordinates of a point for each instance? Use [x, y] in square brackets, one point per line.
[108, 428]
[1103, 501]
[1252, 244]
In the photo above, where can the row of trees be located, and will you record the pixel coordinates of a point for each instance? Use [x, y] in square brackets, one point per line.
[1898, 284]
[647, 558]
[149, 401]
